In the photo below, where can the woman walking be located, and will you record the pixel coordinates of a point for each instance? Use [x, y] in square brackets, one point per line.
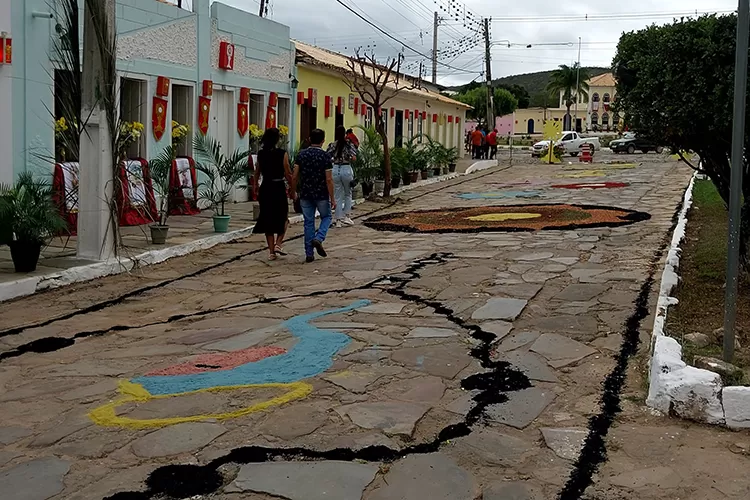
[343, 153]
[273, 167]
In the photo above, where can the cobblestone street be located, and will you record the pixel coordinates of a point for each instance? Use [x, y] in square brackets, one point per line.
[406, 365]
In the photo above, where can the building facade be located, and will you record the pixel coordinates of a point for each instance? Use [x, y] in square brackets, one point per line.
[325, 101]
[209, 54]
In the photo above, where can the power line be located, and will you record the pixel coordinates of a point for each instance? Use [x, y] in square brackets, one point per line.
[606, 17]
[389, 35]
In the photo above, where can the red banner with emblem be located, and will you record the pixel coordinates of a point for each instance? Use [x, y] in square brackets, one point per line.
[204, 110]
[270, 118]
[159, 117]
[242, 119]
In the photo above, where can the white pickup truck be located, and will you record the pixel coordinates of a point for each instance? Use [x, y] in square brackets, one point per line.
[571, 141]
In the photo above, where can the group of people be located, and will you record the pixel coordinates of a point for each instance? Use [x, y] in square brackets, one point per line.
[483, 143]
[320, 180]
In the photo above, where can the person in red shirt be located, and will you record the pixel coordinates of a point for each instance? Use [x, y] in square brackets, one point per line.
[352, 137]
[492, 142]
[476, 141]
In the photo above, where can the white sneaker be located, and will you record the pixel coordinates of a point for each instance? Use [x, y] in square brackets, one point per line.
[347, 221]
[339, 224]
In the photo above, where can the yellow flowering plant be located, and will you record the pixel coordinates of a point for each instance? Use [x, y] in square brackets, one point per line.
[255, 134]
[179, 133]
[284, 130]
[128, 133]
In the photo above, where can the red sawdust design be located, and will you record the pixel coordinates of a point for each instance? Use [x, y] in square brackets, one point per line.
[521, 218]
[592, 185]
[219, 362]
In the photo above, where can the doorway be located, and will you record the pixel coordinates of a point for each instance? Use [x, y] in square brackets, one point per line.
[222, 119]
[530, 126]
[182, 113]
[579, 125]
[399, 130]
[308, 121]
[339, 119]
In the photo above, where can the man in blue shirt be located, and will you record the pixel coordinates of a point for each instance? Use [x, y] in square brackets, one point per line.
[313, 177]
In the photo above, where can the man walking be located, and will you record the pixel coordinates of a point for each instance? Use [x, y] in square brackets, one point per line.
[492, 143]
[313, 176]
[476, 142]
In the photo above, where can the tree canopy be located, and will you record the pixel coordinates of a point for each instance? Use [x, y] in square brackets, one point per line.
[505, 102]
[675, 85]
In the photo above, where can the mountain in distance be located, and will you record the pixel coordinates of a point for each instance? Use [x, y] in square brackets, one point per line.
[535, 83]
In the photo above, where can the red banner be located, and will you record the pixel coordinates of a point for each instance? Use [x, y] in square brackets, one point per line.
[242, 119]
[226, 56]
[204, 110]
[244, 94]
[270, 118]
[162, 86]
[273, 99]
[208, 88]
[159, 117]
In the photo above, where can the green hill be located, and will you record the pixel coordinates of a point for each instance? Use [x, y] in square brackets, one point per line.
[535, 83]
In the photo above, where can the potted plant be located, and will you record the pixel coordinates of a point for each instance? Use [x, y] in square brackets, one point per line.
[28, 218]
[160, 168]
[451, 157]
[368, 166]
[399, 166]
[222, 173]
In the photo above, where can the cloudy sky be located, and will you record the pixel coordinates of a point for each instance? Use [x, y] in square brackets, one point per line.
[552, 28]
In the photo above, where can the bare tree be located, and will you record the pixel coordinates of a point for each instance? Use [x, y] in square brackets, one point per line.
[377, 84]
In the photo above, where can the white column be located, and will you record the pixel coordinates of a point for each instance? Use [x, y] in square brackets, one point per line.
[6, 104]
[95, 234]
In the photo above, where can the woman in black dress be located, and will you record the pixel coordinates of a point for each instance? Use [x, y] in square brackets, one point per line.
[273, 168]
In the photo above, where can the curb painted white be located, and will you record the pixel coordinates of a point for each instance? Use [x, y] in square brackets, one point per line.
[481, 165]
[32, 284]
[675, 387]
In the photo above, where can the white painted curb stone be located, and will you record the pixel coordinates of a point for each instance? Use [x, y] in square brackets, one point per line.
[30, 285]
[675, 387]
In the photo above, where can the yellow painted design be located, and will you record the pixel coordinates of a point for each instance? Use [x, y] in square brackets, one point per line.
[503, 217]
[602, 166]
[583, 173]
[106, 415]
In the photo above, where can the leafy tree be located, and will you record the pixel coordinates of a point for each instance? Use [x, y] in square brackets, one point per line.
[675, 84]
[519, 92]
[564, 79]
[505, 102]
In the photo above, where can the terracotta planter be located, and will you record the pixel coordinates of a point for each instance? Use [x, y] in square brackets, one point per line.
[424, 174]
[413, 176]
[407, 179]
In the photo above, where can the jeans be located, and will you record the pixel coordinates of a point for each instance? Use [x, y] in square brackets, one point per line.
[343, 175]
[308, 213]
[493, 152]
[477, 152]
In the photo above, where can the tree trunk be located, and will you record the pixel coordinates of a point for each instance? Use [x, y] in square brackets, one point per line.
[386, 156]
[568, 118]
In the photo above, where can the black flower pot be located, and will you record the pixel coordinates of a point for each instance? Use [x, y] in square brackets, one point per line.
[395, 182]
[452, 167]
[366, 189]
[407, 179]
[25, 255]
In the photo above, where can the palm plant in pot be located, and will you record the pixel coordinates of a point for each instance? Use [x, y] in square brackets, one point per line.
[28, 218]
[222, 173]
[399, 167]
[160, 169]
[451, 156]
[368, 166]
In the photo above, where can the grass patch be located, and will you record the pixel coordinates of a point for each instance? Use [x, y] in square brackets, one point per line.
[703, 270]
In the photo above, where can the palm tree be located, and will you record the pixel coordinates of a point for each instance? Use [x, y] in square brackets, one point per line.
[571, 81]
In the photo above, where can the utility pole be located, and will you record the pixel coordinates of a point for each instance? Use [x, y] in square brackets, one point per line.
[435, 47]
[262, 8]
[95, 233]
[735, 188]
[488, 71]
[578, 85]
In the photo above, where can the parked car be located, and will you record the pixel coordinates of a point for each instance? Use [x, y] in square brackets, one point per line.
[631, 143]
[571, 141]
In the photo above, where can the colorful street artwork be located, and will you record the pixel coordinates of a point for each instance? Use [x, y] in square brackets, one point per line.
[592, 185]
[271, 367]
[505, 218]
[580, 174]
[500, 194]
[552, 132]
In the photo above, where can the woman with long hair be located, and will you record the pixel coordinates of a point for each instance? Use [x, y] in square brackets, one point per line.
[343, 153]
[273, 168]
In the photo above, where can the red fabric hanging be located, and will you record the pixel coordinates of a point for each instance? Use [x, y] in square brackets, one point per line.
[183, 186]
[136, 200]
[65, 193]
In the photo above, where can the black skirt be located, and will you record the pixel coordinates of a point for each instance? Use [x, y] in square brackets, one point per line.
[274, 208]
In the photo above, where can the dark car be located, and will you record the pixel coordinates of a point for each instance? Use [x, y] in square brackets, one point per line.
[632, 143]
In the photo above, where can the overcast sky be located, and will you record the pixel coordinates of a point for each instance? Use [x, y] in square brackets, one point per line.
[537, 22]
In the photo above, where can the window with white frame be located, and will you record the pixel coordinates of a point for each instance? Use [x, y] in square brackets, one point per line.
[368, 118]
[410, 126]
[282, 114]
[257, 115]
[419, 129]
[182, 113]
[133, 109]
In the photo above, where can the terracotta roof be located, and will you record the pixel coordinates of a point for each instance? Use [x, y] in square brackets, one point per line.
[605, 80]
[338, 62]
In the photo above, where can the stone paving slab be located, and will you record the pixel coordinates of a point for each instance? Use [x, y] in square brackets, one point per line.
[37, 479]
[305, 480]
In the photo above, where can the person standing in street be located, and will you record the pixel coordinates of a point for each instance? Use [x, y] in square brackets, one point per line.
[492, 142]
[313, 178]
[476, 142]
[273, 166]
[343, 153]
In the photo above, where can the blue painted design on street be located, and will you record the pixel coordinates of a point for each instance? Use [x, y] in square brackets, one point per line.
[500, 194]
[311, 355]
